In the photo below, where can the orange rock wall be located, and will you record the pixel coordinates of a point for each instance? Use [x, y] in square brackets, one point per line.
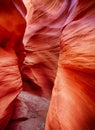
[55, 59]
[73, 98]
[69, 26]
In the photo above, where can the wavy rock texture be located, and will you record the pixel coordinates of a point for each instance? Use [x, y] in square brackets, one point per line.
[12, 26]
[69, 26]
[73, 98]
[59, 43]
[41, 40]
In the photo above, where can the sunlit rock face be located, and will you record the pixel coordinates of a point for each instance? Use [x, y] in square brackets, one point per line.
[73, 98]
[12, 26]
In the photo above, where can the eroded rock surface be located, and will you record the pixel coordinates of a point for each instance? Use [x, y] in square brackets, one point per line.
[12, 26]
[73, 98]
[30, 112]
[59, 42]
[41, 40]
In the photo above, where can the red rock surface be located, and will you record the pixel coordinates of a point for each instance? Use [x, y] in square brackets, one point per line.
[59, 42]
[12, 26]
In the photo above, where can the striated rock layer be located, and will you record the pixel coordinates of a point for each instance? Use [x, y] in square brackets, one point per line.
[59, 42]
[41, 40]
[72, 105]
[68, 27]
[12, 26]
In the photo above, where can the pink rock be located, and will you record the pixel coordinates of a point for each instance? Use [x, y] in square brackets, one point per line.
[41, 40]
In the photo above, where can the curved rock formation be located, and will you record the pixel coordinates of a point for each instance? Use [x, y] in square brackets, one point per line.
[69, 26]
[41, 41]
[57, 58]
[12, 26]
[73, 98]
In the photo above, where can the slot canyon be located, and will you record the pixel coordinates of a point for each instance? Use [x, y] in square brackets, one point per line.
[47, 64]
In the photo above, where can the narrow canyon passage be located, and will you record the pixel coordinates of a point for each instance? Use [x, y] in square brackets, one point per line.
[47, 65]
